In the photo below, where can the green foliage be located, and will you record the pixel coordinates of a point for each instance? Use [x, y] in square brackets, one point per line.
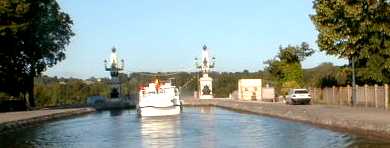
[287, 85]
[33, 36]
[4, 96]
[292, 72]
[327, 75]
[295, 54]
[285, 69]
[356, 28]
[57, 92]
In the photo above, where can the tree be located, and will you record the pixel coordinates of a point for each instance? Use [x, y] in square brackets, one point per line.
[11, 64]
[327, 75]
[285, 69]
[34, 34]
[356, 29]
[295, 54]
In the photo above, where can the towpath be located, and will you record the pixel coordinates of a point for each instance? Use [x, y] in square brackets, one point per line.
[367, 121]
[14, 120]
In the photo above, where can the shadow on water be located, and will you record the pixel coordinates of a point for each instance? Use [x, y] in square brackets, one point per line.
[116, 112]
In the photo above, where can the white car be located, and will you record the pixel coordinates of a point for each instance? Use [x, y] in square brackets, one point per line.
[298, 96]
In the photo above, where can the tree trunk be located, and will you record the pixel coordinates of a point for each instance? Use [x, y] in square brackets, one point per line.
[30, 87]
[31, 98]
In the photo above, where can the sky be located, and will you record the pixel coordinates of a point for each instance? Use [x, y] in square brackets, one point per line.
[166, 35]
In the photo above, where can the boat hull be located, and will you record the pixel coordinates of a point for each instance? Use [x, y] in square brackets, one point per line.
[151, 111]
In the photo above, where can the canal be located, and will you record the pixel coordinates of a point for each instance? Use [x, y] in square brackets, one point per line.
[195, 127]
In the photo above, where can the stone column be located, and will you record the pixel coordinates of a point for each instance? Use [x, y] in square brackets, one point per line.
[206, 87]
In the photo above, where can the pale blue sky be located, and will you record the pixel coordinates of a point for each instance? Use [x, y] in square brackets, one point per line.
[166, 35]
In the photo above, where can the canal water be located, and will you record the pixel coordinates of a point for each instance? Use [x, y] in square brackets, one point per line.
[195, 127]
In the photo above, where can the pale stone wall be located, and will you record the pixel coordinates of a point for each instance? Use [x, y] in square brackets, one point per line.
[268, 94]
[206, 81]
[249, 89]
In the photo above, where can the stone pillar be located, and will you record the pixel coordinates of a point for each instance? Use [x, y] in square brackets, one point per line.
[206, 87]
[115, 84]
[196, 95]
[114, 67]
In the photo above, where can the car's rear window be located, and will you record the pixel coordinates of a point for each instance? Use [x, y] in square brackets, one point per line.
[301, 92]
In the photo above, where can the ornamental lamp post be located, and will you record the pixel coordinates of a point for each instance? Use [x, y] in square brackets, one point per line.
[113, 66]
[197, 66]
[205, 65]
[105, 65]
[213, 62]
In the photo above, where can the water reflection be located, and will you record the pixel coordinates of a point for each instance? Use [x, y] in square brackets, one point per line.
[160, 131]
[195, 127]
[209, 138]
[116, 112]
[206, 110]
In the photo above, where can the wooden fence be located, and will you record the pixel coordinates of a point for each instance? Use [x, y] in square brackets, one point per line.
[367, 96]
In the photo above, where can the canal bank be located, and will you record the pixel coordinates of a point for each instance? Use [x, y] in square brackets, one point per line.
[14, 120]
[363, 121]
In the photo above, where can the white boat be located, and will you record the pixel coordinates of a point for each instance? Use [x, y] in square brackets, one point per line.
[159, 100]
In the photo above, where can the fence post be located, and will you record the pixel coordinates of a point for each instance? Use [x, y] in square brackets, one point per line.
[339, 95]
[376, 95]
[311, 90]
[314, 95]
[386, 96]
[349, 96]
[365, 95]
[325, 95]
[358, 97]
[322, 96]
[334, 95]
